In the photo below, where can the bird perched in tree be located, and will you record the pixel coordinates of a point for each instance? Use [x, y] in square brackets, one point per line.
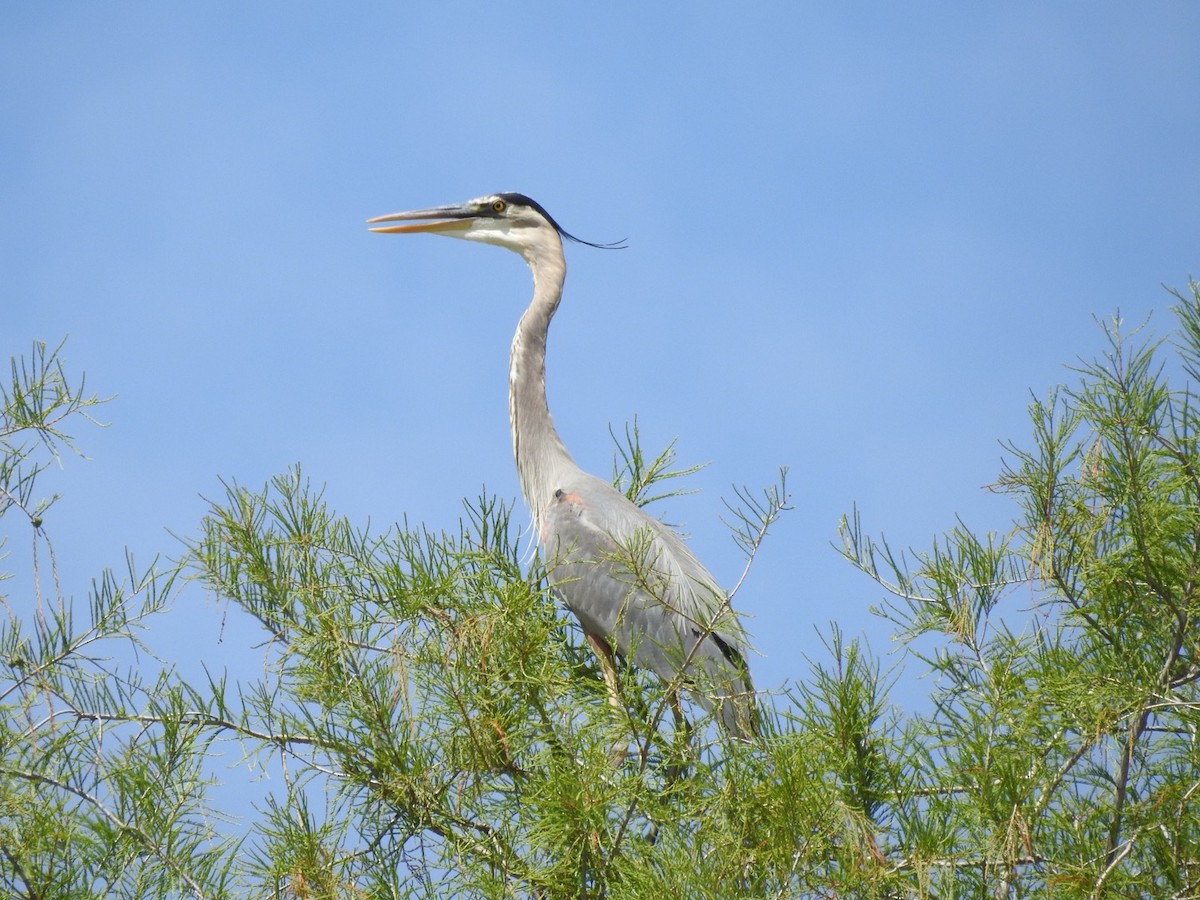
[630, 580]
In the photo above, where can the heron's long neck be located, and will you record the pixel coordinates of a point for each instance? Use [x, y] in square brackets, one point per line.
[542, 460]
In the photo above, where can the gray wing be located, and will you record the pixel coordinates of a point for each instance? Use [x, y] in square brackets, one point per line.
[632, 581]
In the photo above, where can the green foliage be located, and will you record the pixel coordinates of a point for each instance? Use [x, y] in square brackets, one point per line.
[455, 719]
[431, 724]
[1063, 752]
[101, 791]
[635, 475]
[35, 405]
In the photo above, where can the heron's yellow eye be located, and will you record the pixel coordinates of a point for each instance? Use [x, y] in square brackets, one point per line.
[498, 206]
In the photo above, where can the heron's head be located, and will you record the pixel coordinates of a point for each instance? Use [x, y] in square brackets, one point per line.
[508, 220]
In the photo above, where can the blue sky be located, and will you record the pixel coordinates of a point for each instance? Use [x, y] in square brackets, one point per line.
[859, 237]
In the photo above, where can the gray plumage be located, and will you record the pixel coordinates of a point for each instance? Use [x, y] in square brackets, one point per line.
[630, 580]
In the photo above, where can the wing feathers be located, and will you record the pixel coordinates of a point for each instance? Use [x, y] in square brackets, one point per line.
[632, 580]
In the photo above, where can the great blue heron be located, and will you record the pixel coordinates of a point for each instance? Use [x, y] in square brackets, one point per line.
[629, 579]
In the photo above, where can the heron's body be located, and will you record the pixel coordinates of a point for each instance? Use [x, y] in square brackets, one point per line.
[630, 580]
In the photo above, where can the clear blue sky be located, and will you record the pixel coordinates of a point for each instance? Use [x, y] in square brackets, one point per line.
[859, 236]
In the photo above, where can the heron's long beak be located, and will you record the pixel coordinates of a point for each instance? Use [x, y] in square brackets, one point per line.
[444, 218]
